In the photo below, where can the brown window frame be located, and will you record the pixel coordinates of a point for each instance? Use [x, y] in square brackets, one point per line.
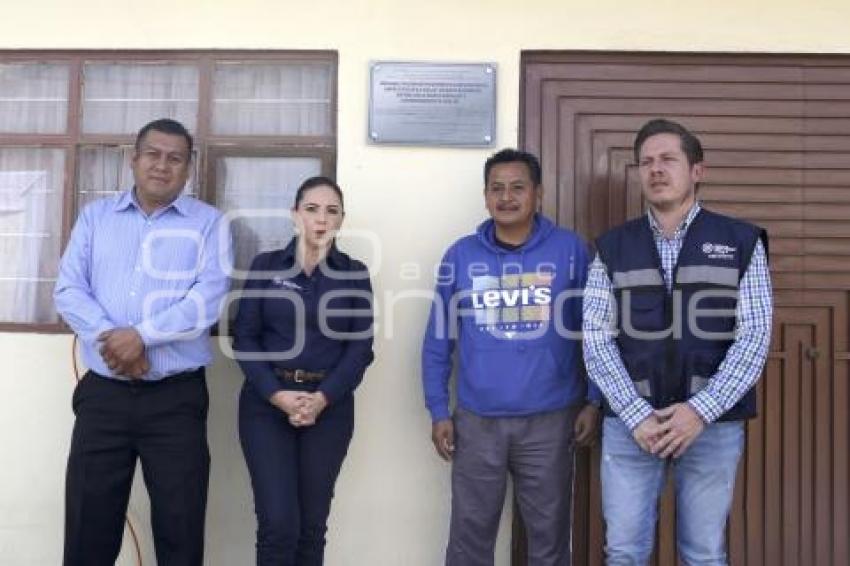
[209, 146]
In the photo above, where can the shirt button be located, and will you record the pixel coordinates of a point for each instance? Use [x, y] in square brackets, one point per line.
[132, 293]
[521, 348]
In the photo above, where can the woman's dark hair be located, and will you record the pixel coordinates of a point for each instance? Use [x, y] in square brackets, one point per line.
[314, 182]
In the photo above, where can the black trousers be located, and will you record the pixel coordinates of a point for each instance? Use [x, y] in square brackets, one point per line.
[163, 424]
[293, 472]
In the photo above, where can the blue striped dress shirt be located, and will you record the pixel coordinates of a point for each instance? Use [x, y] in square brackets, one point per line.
[165, 274]
[739, 370]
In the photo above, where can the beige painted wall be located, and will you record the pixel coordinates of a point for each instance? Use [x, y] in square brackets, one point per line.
[392, 499]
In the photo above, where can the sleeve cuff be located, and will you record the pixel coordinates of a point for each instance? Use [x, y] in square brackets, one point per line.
[706, 406]
[93, 336]
[439, 413]
[146, 337]
[594, 395]
[267, 385]
[636, 412]
[330, 396]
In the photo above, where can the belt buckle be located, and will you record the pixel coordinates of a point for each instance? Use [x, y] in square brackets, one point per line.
[298, 376]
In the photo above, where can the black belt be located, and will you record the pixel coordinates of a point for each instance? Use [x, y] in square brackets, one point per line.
[174, 377]
[299, 375]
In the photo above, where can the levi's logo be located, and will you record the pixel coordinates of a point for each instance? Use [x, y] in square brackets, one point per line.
[510, 303]
[530, 295]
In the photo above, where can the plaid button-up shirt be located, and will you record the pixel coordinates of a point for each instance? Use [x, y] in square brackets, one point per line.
[739, 370]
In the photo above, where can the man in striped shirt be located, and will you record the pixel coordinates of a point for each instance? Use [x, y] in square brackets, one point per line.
[677, 320]
[140, 283]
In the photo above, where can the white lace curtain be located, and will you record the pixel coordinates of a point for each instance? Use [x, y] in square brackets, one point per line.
[272, 100]
[119, 98]
[31, 182]
[33, 98]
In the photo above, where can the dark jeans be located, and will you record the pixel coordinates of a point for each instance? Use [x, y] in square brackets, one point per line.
[293, 472]
[163, 424]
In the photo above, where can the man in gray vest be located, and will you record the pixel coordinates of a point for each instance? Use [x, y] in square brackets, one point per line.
[677, 320]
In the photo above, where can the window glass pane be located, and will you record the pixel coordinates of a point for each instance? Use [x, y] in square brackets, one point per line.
[33, 98]
[272, 100]
[121, 98]
[265, 184]
[105, 170]
[31, 195]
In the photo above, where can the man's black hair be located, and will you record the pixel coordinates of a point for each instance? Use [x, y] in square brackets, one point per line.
[514, 156]
[166, 126]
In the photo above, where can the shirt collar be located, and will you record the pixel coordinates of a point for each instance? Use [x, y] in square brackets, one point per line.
[683, 227]
[125, 200]
[335, 258]
[128, 198]
[181, 204]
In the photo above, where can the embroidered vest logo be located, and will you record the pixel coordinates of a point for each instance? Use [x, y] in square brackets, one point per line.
[718, 251]
[286, 284]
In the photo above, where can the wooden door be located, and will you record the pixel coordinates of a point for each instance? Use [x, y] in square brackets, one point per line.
[789, 489]
[776, 130]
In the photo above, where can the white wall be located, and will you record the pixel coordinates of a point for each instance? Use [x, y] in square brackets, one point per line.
[392, 498]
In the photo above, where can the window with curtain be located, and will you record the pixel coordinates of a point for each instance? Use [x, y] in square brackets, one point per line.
[262, 121]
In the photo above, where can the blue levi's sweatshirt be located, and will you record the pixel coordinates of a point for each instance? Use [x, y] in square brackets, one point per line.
[516, 316]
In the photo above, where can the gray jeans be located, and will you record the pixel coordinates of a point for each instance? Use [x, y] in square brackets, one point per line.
[537, 450]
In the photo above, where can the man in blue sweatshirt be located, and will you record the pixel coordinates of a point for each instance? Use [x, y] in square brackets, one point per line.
[510, 296]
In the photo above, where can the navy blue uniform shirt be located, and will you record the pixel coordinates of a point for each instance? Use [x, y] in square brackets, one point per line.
[320, 322]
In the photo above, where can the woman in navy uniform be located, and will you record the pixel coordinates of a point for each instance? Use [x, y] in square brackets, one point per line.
[303, 338]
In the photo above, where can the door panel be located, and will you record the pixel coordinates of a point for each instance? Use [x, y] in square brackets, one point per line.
[776, 135]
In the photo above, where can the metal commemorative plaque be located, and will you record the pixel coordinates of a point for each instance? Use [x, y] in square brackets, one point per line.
[433, 103]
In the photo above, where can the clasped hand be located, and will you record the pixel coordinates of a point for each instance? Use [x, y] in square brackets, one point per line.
[123, 351]
[669, 431]
[302, 408]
